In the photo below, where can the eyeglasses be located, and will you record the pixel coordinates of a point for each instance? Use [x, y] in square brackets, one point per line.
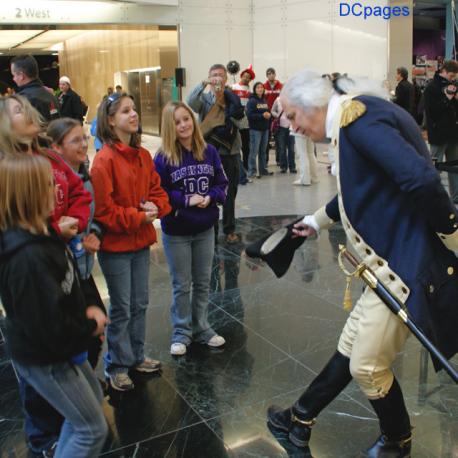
[79, 140]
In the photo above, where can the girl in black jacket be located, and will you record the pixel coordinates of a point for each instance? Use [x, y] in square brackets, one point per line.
[48, 325]
[258, 115]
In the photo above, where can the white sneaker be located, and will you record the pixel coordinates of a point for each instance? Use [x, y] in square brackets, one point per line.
[299, 183]
[177, 349]
[216, 341]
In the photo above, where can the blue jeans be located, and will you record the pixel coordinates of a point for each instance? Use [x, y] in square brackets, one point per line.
[285, 142]
[190, 262]
[258, 145]
[74, 391]
[450, 150]
[42, 423]
[127, 276]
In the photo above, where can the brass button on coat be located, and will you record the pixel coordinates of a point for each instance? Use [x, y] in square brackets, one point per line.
[450, 270]
[431, 289]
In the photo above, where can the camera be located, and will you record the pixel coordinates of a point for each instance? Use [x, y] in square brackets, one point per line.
[451, 88]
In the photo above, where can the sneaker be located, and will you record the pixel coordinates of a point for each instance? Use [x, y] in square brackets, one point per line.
[293, 171]
[121, 381]
[283, 171]
[216, 341]
[267, 174]
[299, 183]
[178, 349]
[148, 365]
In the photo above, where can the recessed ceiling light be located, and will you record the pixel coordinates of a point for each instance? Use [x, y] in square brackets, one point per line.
[104, 50]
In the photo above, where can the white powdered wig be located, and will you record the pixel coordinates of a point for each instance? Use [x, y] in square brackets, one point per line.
[308, 89]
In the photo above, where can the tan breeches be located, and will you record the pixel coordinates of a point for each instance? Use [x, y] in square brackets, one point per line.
[371, 338]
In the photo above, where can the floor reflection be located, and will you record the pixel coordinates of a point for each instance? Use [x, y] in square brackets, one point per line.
[279, 333]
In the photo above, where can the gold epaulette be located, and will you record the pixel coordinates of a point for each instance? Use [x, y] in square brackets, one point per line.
[351, 111]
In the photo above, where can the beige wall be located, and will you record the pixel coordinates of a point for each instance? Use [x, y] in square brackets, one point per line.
[91, 59]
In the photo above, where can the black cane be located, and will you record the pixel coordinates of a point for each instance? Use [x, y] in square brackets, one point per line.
[449, 166]
[398, 308]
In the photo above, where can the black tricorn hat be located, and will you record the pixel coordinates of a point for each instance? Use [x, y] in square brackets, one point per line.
[277, 249]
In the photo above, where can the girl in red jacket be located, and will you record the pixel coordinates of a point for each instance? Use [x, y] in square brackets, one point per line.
[19, 133]
[128, 198]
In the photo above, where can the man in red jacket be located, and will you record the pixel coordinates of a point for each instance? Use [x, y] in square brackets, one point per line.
[273, 88]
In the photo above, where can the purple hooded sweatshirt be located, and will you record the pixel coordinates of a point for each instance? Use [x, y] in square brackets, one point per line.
[181, 182]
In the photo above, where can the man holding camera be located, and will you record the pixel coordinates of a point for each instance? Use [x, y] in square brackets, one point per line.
[217, 106]
[441, 109]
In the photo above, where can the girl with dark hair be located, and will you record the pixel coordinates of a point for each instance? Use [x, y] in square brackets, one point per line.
[70, 142]
[258, 114]
[128, 198]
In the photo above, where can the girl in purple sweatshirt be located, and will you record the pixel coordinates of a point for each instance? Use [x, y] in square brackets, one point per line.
[192, 175]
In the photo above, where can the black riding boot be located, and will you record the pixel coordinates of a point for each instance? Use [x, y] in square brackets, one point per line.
[299, 419]
[396, 438]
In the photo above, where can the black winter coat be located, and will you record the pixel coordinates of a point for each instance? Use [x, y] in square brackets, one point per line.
[45, 307]
[405, 95]
[71, 105]
[441, 113]
[255, 109]
[41, 99]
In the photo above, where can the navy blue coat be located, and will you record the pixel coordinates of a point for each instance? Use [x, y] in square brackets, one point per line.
[393, 197]
[255, 109]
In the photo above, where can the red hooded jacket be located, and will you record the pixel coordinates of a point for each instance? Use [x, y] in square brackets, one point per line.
[123, 177]
[71, 199]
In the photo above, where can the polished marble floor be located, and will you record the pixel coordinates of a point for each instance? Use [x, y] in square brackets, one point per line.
[279, 332]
